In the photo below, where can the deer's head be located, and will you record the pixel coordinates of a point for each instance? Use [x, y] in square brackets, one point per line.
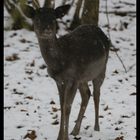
[44, 19]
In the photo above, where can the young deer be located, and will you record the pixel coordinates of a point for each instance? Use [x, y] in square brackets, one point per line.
[72, 60]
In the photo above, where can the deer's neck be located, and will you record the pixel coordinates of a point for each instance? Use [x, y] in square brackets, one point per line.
[48, 47]
[47, 43]
[49, 50]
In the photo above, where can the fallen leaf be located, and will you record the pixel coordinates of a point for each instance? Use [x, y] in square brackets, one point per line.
[117, 128]
[23, 40]
[7, 107]
[29, 72]
[106, 108]
[29, 97]
[31, 78]
[23, 110]
[27, 114]
[125, 116]
[16, 92]
[14, 34]
[54, 109]
[114, 49]
[77, 138]
[31, 135]
[120, 138]
[134, 93]
[43, 66]
[7, 45]
[119, 122]
[18, 103]
[120, 80]
[55, 117]
[13, 57]
[56, 122]
[87, 127]
[52, 102]
[33, 63]
[116, 72]
[20, 126]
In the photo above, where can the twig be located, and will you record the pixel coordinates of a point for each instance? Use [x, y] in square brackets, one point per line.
[119, 13]
[127, 3]
[131, 67]
[110, 38]
[107, 20]
[36, 4]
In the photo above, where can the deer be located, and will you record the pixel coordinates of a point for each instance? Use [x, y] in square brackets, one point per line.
[72, 61]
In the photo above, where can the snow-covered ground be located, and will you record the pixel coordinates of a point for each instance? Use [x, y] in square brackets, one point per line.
[31, 102]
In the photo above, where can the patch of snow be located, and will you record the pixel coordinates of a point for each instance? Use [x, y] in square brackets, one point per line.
[28, 90]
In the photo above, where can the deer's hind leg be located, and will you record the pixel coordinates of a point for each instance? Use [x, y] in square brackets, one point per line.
[85, 95]
[97, 83]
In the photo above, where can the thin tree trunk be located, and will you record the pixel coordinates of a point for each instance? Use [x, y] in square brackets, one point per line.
[76, 19]
[49, 3]
[19, 20]
[90, 13]
[64, 2]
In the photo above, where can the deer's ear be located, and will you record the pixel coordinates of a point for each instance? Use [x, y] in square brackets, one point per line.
[61, 11]
[28, 11]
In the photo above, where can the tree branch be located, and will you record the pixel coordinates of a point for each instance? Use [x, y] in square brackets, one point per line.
[119, 13]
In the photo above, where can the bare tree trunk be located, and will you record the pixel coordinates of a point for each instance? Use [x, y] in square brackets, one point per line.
[64, 2]
[76, 19]
[19, 20]
[90, 13]
[49, 3]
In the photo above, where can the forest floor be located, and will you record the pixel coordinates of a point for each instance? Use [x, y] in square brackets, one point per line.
[31, 102]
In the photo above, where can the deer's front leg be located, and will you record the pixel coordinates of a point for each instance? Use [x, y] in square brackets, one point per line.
[85, 95]
[67, 93]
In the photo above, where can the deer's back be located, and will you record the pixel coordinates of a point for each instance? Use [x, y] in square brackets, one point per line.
[86, 40]
[83, 53]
